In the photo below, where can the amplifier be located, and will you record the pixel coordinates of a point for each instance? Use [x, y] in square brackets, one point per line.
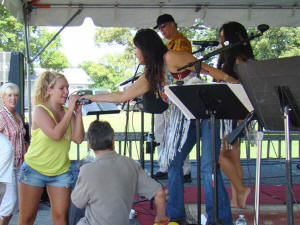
[12, 70]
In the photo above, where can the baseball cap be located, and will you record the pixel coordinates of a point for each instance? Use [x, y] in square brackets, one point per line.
[163, 19]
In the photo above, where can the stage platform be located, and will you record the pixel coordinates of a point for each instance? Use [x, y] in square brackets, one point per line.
[272, 204]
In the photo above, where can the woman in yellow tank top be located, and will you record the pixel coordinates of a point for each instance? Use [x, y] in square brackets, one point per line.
[46, 162]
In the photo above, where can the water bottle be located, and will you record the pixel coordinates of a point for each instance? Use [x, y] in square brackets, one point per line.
[132, 214]
[241, 220]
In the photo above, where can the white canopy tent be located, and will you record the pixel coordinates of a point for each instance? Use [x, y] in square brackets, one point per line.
[143, 13]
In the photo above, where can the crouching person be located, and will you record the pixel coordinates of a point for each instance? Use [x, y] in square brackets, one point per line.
[107, 186]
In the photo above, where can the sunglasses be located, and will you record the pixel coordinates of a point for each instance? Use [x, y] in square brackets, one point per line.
[162, 26]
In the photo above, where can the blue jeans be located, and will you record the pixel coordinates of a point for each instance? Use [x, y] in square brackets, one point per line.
[175, 205]
[75, 214]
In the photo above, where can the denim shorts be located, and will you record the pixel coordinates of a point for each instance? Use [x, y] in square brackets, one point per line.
[31, 177]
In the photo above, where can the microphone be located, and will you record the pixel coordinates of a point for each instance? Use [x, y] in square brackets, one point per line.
[262, 28]
[130, 79]
[133, 78]
[83, 100]
[206, 43]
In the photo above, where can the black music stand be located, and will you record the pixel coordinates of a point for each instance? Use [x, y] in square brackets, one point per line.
[210, 101]
[273, 89]
[97, 108]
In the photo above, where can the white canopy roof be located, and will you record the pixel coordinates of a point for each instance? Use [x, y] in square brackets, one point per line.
[143, 13]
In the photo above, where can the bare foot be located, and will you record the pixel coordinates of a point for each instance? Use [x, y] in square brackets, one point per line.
[233, 204]
[242, 198]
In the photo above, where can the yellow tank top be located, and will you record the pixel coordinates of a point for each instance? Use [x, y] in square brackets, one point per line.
[47, 156]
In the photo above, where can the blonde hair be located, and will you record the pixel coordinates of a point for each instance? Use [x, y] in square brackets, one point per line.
[45, 80]
[9, 88]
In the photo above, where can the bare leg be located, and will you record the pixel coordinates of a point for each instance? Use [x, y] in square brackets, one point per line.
[243, 192]
[28, 196]
[59, 200]
[231, 166]
[233, 201]
[234, 156]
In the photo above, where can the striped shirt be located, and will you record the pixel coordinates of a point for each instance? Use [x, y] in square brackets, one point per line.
[12, 127]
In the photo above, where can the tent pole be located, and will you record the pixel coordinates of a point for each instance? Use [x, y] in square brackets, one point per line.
[27, 54]
[54, 37]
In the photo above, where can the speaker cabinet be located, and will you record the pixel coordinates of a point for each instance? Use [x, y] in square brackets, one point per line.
[12, 70]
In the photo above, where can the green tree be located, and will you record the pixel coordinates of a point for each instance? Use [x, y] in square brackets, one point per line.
[112, 36]
[277, 42]
[113, 68]
[119, 36]
[111, 71]
[12, 39]
[51, 57]
[11, 35]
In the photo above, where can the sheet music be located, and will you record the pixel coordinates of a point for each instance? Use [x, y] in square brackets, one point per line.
[93, 107]
[237, 89]
[99, 106]
[240, 93]
[107, 106]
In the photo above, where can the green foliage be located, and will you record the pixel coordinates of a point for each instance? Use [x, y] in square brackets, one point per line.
[12, 39]
[200, 32]
[111, 71]
[277, 42]
[119, 36]
[51, 57]
[12, 32]
[113, 68]
[113, 36]
[55, 60]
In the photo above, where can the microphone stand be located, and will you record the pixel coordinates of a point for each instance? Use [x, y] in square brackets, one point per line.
[231, 138]
[127, 110]
[202, 48]
[199, 50]
[218, 51]
[197, 65]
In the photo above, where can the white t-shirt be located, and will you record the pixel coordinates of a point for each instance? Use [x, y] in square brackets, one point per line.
[6, 160]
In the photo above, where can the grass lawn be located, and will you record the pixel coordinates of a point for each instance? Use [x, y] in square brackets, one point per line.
[118, 123]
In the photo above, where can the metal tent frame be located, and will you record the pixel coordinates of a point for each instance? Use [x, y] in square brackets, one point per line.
[119, 13]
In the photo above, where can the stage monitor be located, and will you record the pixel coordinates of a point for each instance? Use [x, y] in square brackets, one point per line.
[263, 79]
[12, 70]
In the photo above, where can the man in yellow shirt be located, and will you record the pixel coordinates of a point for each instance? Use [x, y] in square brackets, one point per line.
[167, 26]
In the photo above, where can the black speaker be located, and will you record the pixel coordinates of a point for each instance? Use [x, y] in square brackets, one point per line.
[12, 70]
